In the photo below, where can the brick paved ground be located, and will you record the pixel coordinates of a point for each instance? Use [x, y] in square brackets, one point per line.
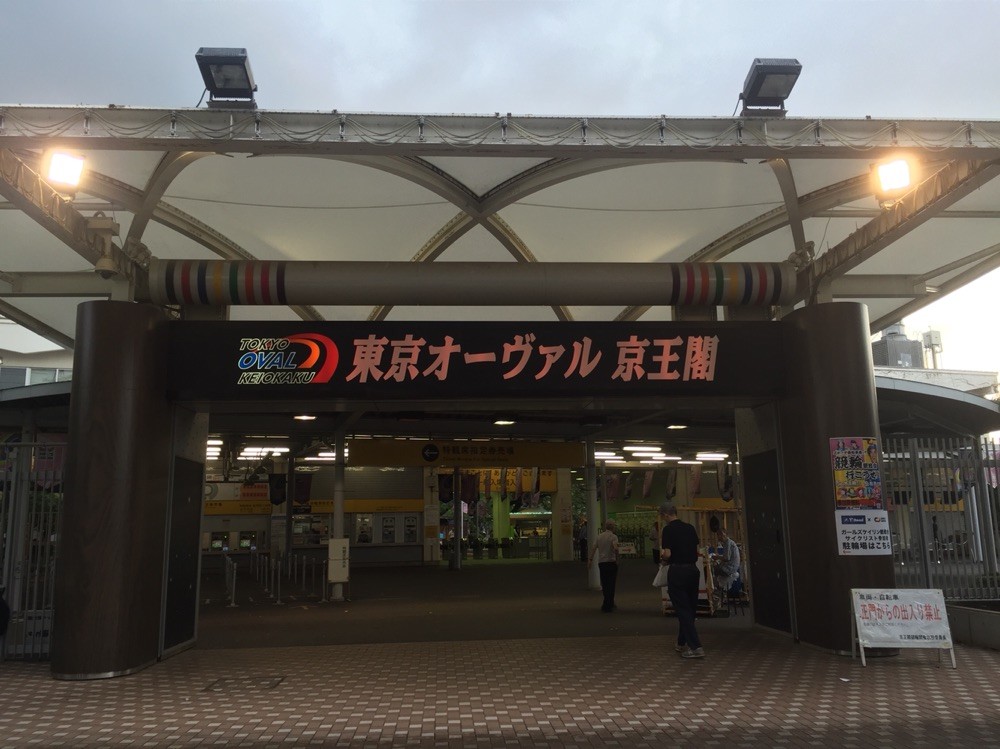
[618, 687]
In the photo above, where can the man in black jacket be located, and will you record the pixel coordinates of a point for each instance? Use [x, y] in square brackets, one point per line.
[679, 549]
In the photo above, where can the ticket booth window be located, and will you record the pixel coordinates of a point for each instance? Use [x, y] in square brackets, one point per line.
[363, 524]
[388, 529]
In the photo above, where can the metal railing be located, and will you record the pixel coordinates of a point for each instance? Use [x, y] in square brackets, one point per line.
[943, 501]
[230, 572]
[305, 576]
[30, 508]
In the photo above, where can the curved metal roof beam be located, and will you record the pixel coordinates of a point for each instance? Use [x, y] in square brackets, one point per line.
[548, 174]
[430, 177]
[421, 173]
[107, 188]
[483, 210]
[822, 199]
[926, 200]
[504, 234]
[36, 326]
[171, 165]
[786, 182]
[989, 261]
[458, 227]
[433, 247]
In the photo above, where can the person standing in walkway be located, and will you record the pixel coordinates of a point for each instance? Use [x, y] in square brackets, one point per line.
[582, 540]
[605, 551]
[725, 567]
[679, 549]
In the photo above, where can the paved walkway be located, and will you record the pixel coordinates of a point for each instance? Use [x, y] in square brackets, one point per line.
[618, 686]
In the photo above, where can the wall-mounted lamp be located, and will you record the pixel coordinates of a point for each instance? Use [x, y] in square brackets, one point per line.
[892, 179]
[767, 85]
[228, 78]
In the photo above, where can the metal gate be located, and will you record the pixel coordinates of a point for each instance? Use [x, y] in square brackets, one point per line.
[30, 505]
[942, 495]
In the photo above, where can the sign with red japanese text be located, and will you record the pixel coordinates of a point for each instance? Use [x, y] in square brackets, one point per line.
[863, 533]
[387, 360]
[382, 452]
[857, 475]
[900, 618]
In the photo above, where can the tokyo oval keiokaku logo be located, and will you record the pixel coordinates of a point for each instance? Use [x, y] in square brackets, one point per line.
[300, 359]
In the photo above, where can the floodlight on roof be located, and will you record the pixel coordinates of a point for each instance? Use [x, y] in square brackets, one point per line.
[892, 179]
[227, 75]
[767, 85]
[63, 170]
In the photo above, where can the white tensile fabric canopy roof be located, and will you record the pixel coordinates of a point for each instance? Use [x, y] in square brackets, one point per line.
[239, 184]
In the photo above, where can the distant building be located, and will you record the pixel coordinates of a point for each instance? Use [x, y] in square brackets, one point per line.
[902, 358]
[894, 349]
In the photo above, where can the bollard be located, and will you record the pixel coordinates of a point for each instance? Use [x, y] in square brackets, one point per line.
[323, 583]
[232, 595]
[277, 599]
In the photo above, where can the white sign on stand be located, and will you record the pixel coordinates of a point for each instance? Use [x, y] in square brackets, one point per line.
[338, 569]
[900, 618]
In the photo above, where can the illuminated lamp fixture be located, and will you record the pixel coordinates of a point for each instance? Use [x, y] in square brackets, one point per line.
[711, 456]
[689, 462]
[767, 85]
[63, 171]
[891, 180]
[304, 417]
[228, 79]
[677, 426]
[505, 421]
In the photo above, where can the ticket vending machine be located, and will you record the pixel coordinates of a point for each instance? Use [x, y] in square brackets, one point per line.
[410, 532]
[248, 541]
[219, 541]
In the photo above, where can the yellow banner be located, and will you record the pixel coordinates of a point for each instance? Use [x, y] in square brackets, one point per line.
[237, 507]
[547, 480]
[325, 506]
[457, 453]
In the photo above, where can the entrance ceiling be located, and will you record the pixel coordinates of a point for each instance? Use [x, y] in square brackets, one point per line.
[329, 186]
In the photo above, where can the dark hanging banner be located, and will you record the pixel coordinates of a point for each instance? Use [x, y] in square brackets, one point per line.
[255, 360]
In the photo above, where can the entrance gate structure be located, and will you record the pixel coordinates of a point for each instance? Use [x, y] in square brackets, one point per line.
[143, 382]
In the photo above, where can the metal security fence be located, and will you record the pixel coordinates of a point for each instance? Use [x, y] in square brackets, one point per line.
[943, 501]
[30, 506]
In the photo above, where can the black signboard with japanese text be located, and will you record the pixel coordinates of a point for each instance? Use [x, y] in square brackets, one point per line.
[395, 360]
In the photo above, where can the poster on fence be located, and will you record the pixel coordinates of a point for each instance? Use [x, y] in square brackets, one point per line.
[900, 618]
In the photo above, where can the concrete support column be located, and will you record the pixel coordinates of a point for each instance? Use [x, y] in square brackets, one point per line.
[830, 393]
[339, 493]
[109, 581]
[594, 523]
[562, 518]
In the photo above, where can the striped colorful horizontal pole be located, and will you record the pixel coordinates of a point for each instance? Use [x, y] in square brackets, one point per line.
[468, 284]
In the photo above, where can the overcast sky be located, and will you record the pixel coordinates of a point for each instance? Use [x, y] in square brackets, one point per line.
[884, 58]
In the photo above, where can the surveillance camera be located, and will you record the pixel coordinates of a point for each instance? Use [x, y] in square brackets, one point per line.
[106, 268]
